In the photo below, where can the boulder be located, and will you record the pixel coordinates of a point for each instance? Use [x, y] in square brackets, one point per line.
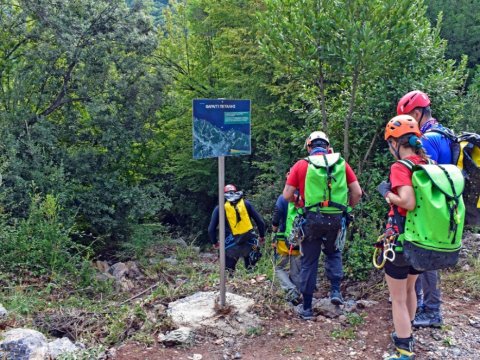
[200, 310]
[23, 344]
[61, 346]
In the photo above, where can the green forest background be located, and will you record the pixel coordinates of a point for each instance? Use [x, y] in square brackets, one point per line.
[96, 124]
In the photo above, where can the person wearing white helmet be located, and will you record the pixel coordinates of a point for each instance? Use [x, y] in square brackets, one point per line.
[329, 188]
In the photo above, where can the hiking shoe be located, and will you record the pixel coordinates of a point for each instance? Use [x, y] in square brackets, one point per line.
[402, 354]
[336, 297]
[420, 309]
[304, 314]
[428, 319]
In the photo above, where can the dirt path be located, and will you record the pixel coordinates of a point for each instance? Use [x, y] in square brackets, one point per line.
[285, 337]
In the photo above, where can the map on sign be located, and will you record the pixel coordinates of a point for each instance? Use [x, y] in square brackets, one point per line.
[221, 128]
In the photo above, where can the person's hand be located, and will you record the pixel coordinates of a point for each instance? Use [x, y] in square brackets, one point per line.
[274, 244]
[384, 188]
[261, 241]
[274, 228]
[216, 246]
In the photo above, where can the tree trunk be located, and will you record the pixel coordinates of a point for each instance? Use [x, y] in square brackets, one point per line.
[321, 85]
[348, 119]
[361, 163]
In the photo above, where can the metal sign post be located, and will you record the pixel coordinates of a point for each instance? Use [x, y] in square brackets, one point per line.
[221, 127]
[221, 216]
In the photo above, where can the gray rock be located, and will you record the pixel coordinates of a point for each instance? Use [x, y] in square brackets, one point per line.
[23, 344]
[350, 306]
[362, 304]
[326, 308]
[133, 270]
[196, 249]
[456, 352]
[61, 346]
[118, 270]
[180, 336]
[3, 312]
[179, 242]
[171, 261]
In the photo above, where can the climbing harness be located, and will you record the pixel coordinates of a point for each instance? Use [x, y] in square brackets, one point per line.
[296, 236]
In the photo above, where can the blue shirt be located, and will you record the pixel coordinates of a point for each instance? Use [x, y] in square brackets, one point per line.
[436, 145]
[280, 213]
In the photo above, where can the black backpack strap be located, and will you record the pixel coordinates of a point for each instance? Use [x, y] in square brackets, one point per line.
[328, 203]
[409, 164]
[448, 133]
[452, 208]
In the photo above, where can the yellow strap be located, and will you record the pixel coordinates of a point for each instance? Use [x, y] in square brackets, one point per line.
[405, 352]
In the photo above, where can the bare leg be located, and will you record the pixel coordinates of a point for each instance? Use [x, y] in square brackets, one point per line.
[411, 296]
[400, 311]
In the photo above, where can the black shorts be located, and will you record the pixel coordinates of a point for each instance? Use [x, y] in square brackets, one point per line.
[400, 272]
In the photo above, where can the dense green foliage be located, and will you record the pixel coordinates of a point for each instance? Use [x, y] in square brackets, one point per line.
[460, 22]
[96, 109]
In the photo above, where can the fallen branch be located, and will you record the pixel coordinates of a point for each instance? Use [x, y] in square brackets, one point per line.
[140, 293]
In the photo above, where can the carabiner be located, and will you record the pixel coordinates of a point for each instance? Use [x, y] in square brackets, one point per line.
[376, 254]
[387, 251]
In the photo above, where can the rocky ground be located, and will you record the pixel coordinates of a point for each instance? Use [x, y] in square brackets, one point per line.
[283, 336]
[264, 327]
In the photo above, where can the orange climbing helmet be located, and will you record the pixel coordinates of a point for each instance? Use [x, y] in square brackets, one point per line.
[401, 125]
[412, 100]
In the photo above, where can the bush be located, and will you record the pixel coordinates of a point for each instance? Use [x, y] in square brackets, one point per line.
[41, 243]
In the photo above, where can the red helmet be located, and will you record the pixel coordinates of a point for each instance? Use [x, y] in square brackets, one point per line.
[411, 101]
[229, 187]
[401, 125]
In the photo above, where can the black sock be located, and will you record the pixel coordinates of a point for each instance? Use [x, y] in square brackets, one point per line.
[404, 343]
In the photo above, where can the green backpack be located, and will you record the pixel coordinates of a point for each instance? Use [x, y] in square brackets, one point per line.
[289, 239]
[433, 230]
[326, 187]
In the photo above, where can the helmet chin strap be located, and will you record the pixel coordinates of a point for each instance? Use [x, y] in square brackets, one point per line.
[396, 151]
[421, 117]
